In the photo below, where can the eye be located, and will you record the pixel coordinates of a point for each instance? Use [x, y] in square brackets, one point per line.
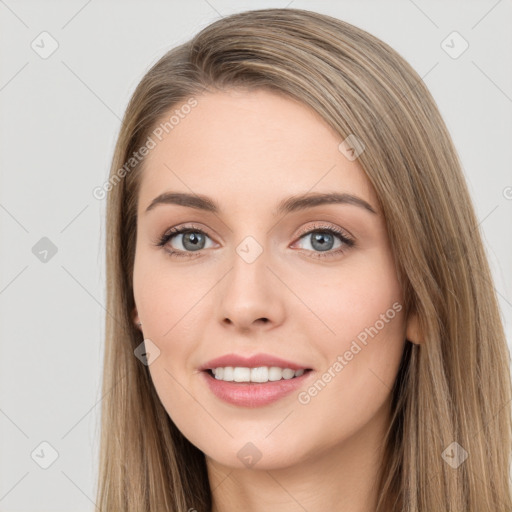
[322, 238]
[321, 243]
[193, 239]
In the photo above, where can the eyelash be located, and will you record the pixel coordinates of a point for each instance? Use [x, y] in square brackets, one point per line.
[347, 241]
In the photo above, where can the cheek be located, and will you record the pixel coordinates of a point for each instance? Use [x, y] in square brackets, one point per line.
[163, 294]
[352, 392]
[361, 336]
[174, 307]
[165, 302]
[348, 300]
[168, 303]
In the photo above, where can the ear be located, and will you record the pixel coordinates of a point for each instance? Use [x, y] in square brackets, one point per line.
[413, 332]
[135, 318]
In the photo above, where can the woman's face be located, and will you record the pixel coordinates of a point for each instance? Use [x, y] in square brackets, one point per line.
[252, 278]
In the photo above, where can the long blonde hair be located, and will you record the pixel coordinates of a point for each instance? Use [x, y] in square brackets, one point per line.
[453, 388]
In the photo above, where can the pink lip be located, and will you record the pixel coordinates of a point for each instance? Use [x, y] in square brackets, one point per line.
[248, 394]
[253, 361]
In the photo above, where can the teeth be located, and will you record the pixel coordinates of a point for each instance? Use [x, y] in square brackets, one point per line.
[260, 374]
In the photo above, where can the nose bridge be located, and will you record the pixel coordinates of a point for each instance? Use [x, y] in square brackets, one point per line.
[249, 263]
[250, 249]
[250, 237]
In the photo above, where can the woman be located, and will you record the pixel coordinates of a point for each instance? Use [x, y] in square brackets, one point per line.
[336, 342]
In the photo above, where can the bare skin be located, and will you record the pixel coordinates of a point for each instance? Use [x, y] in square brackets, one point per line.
[248, 151]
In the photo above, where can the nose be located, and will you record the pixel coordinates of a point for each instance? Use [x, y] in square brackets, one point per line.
[251, 296]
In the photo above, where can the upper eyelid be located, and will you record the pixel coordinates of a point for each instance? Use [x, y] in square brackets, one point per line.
[338, 231]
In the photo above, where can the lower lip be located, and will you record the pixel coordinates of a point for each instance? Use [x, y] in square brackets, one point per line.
[248, 394]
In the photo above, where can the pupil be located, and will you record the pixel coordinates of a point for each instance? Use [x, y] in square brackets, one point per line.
[193, 239]
[320, 240]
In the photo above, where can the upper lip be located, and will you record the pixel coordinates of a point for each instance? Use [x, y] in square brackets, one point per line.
[253, 361]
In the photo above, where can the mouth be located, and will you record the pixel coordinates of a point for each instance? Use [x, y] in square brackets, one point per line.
[246, 392]
[234, 380]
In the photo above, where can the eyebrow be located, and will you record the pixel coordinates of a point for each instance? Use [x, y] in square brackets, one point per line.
[291, 204]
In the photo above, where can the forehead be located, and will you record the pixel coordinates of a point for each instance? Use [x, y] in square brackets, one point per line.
[249, 148]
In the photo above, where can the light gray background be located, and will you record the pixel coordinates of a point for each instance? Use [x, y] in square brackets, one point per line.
[59, 120]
